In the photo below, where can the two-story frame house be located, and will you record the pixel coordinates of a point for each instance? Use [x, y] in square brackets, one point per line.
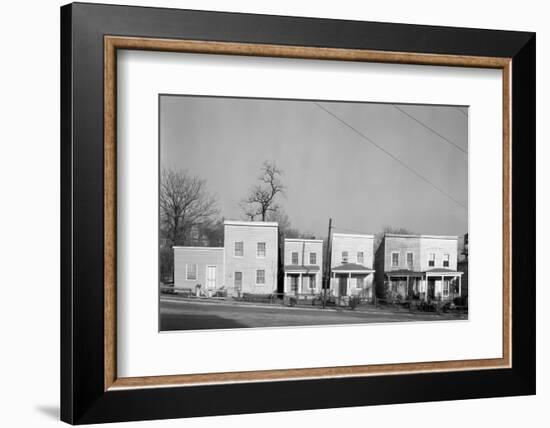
[417, 266]
[352, 265]
[200, 269]
[303, 266]
[251, 257]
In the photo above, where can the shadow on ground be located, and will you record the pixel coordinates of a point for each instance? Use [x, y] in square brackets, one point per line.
[171, 322]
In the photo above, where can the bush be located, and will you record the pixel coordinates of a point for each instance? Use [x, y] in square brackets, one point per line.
[354, 302]
[461, 301]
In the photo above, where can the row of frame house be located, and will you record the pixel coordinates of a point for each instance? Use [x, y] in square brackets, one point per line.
[418, 266]
[255, 259]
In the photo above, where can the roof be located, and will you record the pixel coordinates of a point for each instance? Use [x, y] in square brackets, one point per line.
[303, 240]
[182, 247]
[353, 235]
[347, 267]
[300, 268]
[403, 272]
[251, 223]
[411, 235]
[441, 270]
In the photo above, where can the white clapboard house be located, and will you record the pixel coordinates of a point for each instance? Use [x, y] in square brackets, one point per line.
[303, 266]
[351, 264]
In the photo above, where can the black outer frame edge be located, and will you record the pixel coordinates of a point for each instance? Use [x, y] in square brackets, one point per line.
[66, 304]
[524, 213]
[83, 398]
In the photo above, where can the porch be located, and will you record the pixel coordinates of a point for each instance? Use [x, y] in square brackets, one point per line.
[352, 279]
[302, 279]
[435, 284]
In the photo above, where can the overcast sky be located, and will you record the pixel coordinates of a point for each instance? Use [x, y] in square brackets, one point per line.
[329, 169]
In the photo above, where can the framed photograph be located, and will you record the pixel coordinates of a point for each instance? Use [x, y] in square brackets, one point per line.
[266, 213]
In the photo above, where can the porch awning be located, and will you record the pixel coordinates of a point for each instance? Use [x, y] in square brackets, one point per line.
[301, 269]
[443, 271]
[351, 268]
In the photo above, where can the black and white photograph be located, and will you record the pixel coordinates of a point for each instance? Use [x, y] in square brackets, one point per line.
[291, 212]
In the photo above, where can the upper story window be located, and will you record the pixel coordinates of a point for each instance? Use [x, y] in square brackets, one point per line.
[260, 252]
[431, 259]
[312, 258]
[260, 277]
[446, 260]
[410, 260]
[295, 258]
[239, 249]
[360, 257]
[394, 259]
[191, 272]
[345, 256]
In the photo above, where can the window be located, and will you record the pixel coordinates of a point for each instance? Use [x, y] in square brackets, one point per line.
[395, 259]
[295, 258]
[446, 259]
[446, 287]
[191, 272]
[344, 256]
[410, 260]
[260, 277]
[312, 258]
[239, 249]
[431, 259]
[238, 280]
[260, 251]
[360, 257]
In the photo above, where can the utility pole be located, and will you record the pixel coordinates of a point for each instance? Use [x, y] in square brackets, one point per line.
[327, 263]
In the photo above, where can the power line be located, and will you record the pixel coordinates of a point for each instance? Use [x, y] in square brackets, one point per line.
[395, 158]
[430, 129]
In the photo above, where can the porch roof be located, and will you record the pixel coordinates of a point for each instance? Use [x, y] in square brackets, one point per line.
[435, 271]
[351, 267]
[301, 269]
[443, 271]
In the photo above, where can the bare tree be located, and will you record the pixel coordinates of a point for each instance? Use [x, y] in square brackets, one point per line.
[285, 225]
[184, 203]
[261, 199]
[388, 229]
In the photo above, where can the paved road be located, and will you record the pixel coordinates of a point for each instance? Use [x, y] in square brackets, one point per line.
[176, 314]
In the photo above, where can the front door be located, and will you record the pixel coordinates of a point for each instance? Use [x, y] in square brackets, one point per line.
[211, 277]
[343, 286]
[294, 284]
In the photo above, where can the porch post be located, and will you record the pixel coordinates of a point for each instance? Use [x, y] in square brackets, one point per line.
[459, 285]
[299, 285]
[426, 288]
[347, 283]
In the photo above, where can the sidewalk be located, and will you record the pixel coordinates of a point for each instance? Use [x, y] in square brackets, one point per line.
[369, 308]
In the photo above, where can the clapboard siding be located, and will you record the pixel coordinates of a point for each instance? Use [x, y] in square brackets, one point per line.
[250, 234]
[202, 257]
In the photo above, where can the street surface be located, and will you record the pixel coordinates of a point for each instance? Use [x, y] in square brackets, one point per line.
[183, 314]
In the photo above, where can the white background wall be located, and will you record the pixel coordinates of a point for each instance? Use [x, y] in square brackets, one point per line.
[29, 218]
